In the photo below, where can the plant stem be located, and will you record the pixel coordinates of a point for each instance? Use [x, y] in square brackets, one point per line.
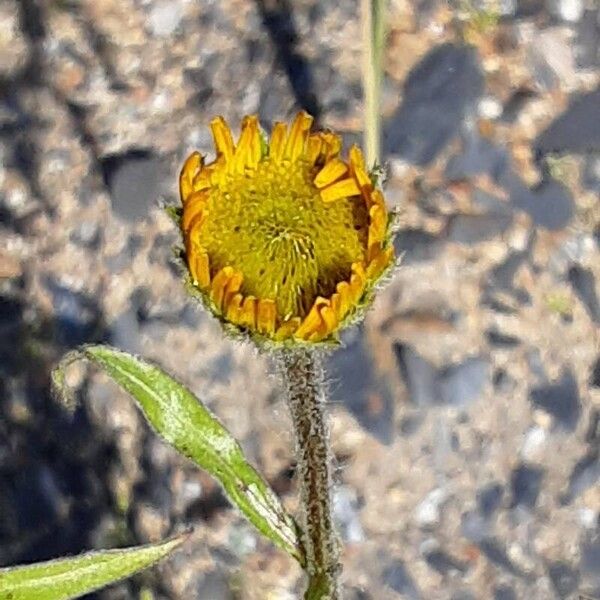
[304, 379]
[372, 21]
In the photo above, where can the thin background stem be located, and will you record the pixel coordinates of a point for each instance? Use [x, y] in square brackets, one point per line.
[373, 31]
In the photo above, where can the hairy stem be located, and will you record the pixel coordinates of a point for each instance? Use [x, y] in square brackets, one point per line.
[304, 379]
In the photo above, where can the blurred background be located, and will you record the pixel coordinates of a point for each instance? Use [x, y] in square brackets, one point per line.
[466, 411]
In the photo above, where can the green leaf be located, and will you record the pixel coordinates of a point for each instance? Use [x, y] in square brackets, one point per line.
[72, 577]
[183, 421]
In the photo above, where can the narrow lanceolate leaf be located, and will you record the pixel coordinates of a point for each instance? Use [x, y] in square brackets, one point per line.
[73, 577]
[183, 421]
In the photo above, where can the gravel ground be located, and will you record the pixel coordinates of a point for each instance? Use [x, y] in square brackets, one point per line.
[465, 412]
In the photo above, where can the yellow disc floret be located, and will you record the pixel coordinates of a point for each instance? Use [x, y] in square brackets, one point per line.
[283, 238]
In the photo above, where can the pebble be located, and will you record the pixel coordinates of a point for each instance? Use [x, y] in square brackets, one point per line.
[584, 284]
[427, 514]
[396, 577]
[570, 11]
[534, 442]
[463, 383]
[368, 396]
[346, 514]
[560, 400]
[526, 483]
[165, 17]
[575, 131]
[134, 181]
[438, 94]
[564, 579]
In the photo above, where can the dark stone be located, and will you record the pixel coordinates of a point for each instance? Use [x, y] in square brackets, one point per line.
[125, 331]
[123, 259]
[214, 585]
[419, 376]
[560, 399]
[501, 340]
[357, 385]
[416, 246]
[463, 383]
[529, 8]
[502, 275]
[590, 558]
[133, 179]
[550, 204]
[587, 44]
[495, 553]
[504, 592]
[475, 527]
[591, 174]
[444, 563]
[526, 483]
[409, 425]
[516, 103]
[87, 235]
[489, 499]
[584, 284]
[478, 156]
[462, 595]
[577, 130]
[564, 579]
[585, 474]
[396, 577]
[503, 382]
[77, 316]
[438, 94]
[472, 229]
[592, 435]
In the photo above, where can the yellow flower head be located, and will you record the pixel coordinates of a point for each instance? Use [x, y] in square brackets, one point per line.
[283, 238]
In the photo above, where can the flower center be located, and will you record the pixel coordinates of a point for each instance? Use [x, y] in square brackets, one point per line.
[271, 224]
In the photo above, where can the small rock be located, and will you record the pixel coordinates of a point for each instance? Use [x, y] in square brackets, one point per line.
[587, 43]
[564, 579]
[76, 315]
[495, 553]
[590, 559]
[87, 234]
[475, 527]
[416, 246]
[478, 156]
[356, 385]
[345, 512]
[560, 399]
[501, 340]
[134, 182]
[570, 11]
[550, 205]
[595, 378]
[534, 442]
[489, 499]
[419, 375]
[526, 483]
[504, 592]
[577, 130]
[584, 284]
[165, 17]
[438, 94]
[591, 173]
[427, 513]
[213, 585]
[462, 384]
[552, 58]
[472, 229]
[396, 577]
[585, 474]
[440, 560]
